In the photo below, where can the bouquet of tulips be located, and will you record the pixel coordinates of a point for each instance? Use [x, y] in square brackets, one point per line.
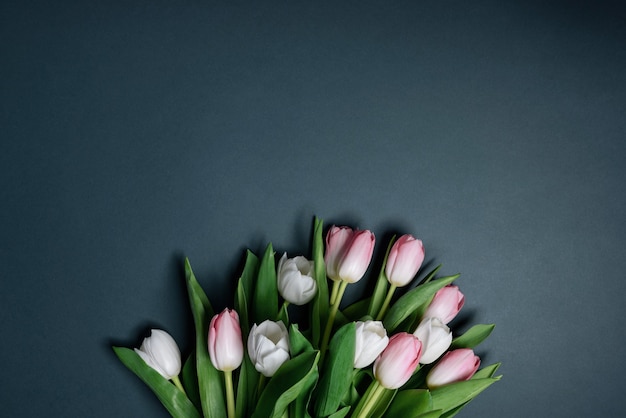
[373, 358]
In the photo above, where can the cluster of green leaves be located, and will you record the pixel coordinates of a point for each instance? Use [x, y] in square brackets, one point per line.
[303, 387]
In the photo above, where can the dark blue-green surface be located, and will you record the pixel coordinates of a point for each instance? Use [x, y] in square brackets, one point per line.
[135, 133]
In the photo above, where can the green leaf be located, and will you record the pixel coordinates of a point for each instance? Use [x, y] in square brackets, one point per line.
[430, 414]
[175, 401]
[246, 387]
[319, 307]
[266, 290]
[473, 336]
[358, 311]
[291, 379]
[341, 413]
[190, 381]
[210, 380]
[412, 300]
[382, 284]
[299, 407]
[382, 402]
[431, 275]
[453, 395]
[487, 371]
[298, 343]
[245, 288]
[410, 403]
[337, 370]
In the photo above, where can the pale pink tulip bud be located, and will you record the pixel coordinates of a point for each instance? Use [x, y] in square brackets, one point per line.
[225, 343]
[295, 282]
[436, 338]
[336, 240]
[356, 257]
[160, 352]
[398, 361]
[447, 302]
[405, 259]
[371, 340]
[455, 366]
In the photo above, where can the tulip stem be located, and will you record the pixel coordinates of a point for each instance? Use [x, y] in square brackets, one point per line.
[372, 399]
[335, 289]
[230, 394]
[383, 309]
[260, 386]
[179, 385]
[331, 317]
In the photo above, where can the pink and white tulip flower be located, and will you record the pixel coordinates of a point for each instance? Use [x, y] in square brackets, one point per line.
[295, 282]
[446, 304]
[455, 366]
[371, 340]
[225, 343]
[160, 352]
[337, 239]
[356, 257]
[405, 259]
[398, 361]
[436, 338]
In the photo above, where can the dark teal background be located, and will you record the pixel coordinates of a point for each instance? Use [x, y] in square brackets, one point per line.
[136, 133]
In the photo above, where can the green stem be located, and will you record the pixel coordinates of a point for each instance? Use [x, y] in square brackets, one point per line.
[331, 318]
[230, 394]
[335, 289]
[383, 309]
[179, 385]
[371, 401]
[260, 386]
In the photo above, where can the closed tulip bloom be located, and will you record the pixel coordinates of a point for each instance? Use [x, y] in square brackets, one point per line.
[371, 340]
[268, 346]
[447, 302]
[336, 241]
[295, 282]
[225, 343]
[455, 366]
[160, 352]
[356, 257]
[398, 361]
[436, 338]
[405, 259]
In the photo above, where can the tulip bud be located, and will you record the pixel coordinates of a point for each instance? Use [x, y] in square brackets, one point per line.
[356, 257]
[405, 259]
[268, 346]
[160, 352]
[436, 338]
[447, 302]
[454, 366]
[336, 240]
[398, 361]
[295, 283]
[371, 340]
[225, 344]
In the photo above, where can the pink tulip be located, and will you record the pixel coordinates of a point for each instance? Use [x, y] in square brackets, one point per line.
[356, 257]
[455, 366]
[405, 259]
[398, 361]
[225, 343]
[447, 302]
[336, 240]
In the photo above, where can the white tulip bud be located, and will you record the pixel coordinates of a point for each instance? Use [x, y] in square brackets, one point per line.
[436, 338]
[268, 346]
[371, 340]
[160, 352]
[295, 282]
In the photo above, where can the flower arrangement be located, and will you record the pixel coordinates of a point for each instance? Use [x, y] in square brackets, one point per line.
[373, 358]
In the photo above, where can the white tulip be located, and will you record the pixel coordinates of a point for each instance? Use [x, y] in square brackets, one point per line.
[295, 282]
[371, 340]
[160, 352]
[268, 346]
[436, 338]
